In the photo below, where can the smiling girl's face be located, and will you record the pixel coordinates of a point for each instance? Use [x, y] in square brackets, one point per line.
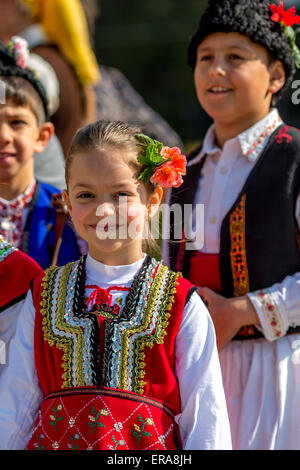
[108, 204]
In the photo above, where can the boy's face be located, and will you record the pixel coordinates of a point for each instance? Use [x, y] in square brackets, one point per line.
[20, 138]
[232, 79]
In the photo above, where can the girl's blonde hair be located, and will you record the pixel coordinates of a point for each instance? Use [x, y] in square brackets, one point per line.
[114, 134]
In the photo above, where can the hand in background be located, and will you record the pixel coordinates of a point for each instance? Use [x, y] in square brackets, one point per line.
[228, 315]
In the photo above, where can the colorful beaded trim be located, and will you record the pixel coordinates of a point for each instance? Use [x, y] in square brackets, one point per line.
[238, 249]
[5, 249]
[140, 324]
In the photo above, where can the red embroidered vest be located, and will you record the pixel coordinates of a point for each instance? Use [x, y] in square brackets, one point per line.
[132, 402]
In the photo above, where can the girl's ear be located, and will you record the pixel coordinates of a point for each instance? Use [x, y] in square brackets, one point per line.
[277, 76]
[46, 131]
[154, 201]
[66, 199]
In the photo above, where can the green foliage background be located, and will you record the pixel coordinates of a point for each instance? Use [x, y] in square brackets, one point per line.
[146, 41]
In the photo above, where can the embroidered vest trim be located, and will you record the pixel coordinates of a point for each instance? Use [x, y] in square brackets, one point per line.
[5, 249]
[125, 338]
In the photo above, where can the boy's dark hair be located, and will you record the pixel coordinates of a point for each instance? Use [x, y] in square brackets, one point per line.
[20, 92]
[251, 18]
[22, 86]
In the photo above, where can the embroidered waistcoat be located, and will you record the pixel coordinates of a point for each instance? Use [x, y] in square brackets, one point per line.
[97, 354]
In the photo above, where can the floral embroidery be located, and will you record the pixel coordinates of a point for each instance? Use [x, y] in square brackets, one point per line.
[282, 134]
[104, 419]
[71, 422]
[38, 445]
[11, 214]
[55, 419]
[73, 439]
[271, 315]
[263, 135]
[139, 431]
[118, 426]
[94, 418]
[100, 300]
[117, 443]
[238, 249]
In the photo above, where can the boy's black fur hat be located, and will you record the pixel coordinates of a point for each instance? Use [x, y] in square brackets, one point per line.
[9, 68]
[251, 18]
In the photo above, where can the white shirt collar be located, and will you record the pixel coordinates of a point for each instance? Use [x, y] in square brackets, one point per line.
[5, 202]
[251, 141]
[105, 274]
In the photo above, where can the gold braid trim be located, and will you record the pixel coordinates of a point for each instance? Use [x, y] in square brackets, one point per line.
[152, 298]
[62, 325]
[49, 311]
[238, 256]
[159, 334]
[46, 311]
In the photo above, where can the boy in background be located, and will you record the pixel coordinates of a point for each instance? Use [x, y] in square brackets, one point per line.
[28, 218]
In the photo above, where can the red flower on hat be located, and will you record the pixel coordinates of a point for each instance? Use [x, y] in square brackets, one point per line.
[287, 18]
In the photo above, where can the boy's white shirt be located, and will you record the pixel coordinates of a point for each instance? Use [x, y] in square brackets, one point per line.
[223, 176]
[203, 422]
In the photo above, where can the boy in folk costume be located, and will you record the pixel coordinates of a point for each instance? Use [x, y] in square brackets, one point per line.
[29, 219]
[114, 351]
[247, 175]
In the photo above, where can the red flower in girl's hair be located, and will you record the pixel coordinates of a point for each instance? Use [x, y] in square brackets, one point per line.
[167, 177]
[169, 174]
[287, 18]
[177, 161]
[160, 164]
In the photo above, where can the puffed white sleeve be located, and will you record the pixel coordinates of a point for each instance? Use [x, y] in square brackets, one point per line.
[203, 421]
[20, 393]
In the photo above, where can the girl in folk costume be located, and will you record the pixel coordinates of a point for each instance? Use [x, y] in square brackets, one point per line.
[247, 175]
[17, 270]
[124, 353]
